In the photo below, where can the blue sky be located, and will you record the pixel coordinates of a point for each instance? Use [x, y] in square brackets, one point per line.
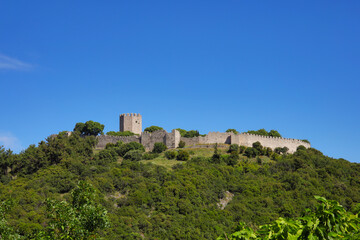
[293, 66]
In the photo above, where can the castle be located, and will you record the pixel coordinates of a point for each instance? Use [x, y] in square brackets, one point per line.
[133, 123]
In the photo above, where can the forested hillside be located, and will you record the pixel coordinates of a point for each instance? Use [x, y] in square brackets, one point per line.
[155, 196]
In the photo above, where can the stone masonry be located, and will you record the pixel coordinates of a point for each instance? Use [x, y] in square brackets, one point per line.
[132, 122]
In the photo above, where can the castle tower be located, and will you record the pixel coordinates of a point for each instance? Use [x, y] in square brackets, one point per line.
[131, 122]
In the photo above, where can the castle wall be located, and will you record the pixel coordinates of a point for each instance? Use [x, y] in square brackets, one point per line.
[246, 139]
[171, 140]
[105, 139]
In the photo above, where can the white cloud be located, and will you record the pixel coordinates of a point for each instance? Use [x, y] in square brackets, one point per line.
[10, 141]
[12, 63]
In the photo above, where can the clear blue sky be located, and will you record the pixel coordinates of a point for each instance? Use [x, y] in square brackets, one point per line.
[293, 66]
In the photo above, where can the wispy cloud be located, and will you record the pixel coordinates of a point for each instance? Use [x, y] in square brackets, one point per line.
[13, 63]
[8, 140]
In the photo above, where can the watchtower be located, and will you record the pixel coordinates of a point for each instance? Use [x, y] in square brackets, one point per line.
[131, 122]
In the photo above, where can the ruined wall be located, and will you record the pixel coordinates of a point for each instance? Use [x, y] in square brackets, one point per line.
[105, 139]
[171, 140]
[247, 140]
[211, 137]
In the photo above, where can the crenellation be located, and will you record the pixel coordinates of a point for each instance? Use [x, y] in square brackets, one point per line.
[133, 122]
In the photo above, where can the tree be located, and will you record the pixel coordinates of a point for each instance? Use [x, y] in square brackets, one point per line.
[6, 232]
[181, 144]
[274, 133]
[183, 155]
[216, 157]
[153, 129]
[233, 148]
[125, 133]
[159, 147]
[90, 128]
[6, 160]
[232, 130]
[78, 219]
[257, 145]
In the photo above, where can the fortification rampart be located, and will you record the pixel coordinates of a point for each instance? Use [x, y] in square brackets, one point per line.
[105, 139]
[171, 140]
[246, 139]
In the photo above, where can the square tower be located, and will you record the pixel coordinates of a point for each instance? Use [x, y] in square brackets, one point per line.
[131, 122]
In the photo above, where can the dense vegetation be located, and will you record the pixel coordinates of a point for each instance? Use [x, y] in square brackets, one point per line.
[125, 133]
[167, 195]
[263, 132]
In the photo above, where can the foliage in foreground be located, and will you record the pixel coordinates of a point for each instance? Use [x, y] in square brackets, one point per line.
[76, 220]
[329, 221]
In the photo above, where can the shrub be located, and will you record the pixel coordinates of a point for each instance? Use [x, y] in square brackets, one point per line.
[257, 145]
[150, 156]
[181, 144]
[233, 159]
[301, 148]
[242, 149]
[251, 152]
[171, 154]
[159, 147]
[153, 129]
[133, 155]
[125, 133]
[106, 156]
[233, 148]
[124, 148]
[232, 130]
[183, 155]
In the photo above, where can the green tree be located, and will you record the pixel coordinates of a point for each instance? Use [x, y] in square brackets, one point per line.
[78, 219]
[233, 148]
[183, 155]
[232, 130]
[90, 128]
[6, 232]
[153, 129]
[181, 144]
[6, 160]
[159, 147]
[125, 133]
[216, 157]
[274, 133]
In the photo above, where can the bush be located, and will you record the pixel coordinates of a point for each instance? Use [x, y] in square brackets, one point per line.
[183, 155]
[242, 149]
[232, 130]
[171, 154]
[124, 148]
[134, 155]
[150, 156]
[251, 152]
[153, 129]
[106, 156]
[233, 148]
[181, 144]
[125, 133]
[257, 146]
[232, 159]
[159, 147]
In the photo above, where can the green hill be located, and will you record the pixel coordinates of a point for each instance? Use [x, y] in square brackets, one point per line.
[171, 199]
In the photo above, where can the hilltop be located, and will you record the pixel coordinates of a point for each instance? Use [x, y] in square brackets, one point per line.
[184, 193]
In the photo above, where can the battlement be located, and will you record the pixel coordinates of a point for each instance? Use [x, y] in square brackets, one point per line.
[131, 122]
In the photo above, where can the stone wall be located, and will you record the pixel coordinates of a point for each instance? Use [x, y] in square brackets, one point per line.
[171, 140]
[246, 139]
[105, 139]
